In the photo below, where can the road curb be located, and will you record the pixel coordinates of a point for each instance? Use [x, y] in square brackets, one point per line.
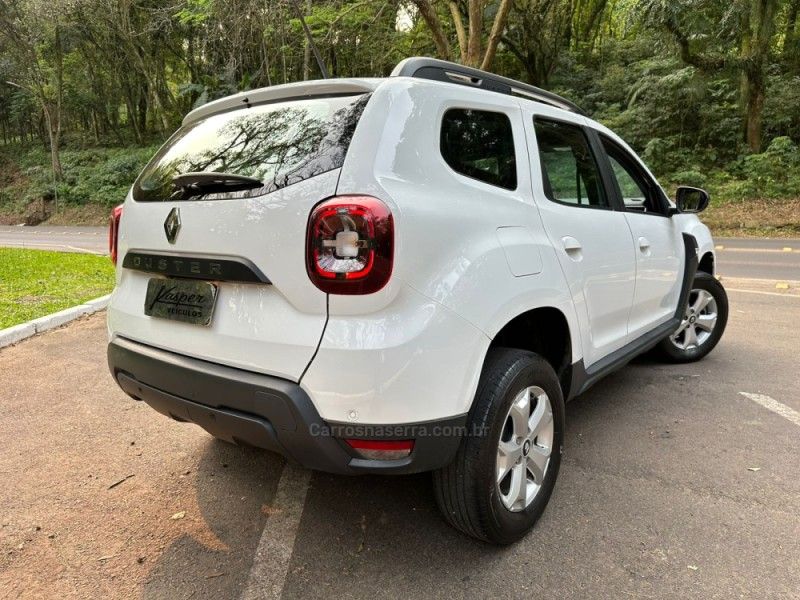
[17, 333]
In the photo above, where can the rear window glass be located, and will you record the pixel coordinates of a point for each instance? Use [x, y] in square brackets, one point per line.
[280, 144]
[480, 145]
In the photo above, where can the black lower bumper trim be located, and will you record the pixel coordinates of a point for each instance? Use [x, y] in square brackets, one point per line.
[266, 412]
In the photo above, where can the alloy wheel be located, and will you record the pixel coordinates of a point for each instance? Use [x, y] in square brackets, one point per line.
[523, 452]
[698, 322]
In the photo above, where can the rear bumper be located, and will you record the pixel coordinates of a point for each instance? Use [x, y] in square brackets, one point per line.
[268, 412]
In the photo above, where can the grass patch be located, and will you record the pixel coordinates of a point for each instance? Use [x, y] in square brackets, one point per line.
[34, 283]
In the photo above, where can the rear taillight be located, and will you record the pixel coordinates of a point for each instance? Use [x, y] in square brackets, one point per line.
[381, 449]
[350, 245]
[113, 231]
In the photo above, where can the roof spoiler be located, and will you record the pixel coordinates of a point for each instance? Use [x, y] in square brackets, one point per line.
[298, 90]
[442, 70]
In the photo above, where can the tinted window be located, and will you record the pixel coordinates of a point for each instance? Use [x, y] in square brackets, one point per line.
[633, 194]
[638, 194]
[480, 144]
[280, 144]
[569, 170]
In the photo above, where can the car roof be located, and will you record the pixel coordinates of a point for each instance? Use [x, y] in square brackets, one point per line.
[335, 87]
[417, 67]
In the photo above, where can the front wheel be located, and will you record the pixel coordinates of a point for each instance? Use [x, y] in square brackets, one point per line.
[504, 472]
[703, 322]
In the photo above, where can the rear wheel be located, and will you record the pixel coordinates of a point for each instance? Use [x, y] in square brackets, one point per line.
[703, 322]
[502, 477]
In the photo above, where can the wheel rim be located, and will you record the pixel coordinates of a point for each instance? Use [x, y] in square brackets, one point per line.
[523, 452]
[698, 322]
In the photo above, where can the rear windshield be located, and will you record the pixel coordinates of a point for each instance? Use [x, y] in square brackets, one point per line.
[280, 144]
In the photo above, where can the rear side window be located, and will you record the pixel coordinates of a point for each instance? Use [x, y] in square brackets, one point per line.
[280, 144]
[569, 169]
[480, 145]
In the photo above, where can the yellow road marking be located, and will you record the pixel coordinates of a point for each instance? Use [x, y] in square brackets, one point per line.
[763, 250]
[782, 295]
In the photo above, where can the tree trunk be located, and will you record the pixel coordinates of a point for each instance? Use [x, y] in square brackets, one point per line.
[791, 24]
[53, 115]
[791, 40]
[755, 94]
[475, 12]
[432, 20]
[95, 126]
[54, 132]
[497, 32]
[41, 130]
[307, 51]
[461, 33]
[142, 108]
[132, 119]
[758, 27]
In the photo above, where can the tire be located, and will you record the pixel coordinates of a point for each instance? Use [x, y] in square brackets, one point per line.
[707, 298]
[467, 491]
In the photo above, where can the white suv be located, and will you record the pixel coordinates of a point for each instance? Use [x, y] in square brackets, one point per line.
[403, 274]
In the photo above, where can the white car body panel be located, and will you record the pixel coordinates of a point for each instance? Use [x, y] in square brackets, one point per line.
[658, 247]
[272, 329]
[404, 364]
[451, 253]
[593, 249]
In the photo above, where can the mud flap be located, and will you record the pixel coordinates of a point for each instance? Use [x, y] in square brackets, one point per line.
[691, 259]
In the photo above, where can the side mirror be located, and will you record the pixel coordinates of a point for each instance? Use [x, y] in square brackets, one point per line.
[691, 199]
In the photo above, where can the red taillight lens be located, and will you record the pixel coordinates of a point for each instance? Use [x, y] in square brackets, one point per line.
[382, 449]
[350, 245]
[113, 231]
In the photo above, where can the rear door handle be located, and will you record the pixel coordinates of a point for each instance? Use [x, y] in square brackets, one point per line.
[572, 247]
[644, 245]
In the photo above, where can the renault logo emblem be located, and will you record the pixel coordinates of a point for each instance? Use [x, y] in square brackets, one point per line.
[173, 224]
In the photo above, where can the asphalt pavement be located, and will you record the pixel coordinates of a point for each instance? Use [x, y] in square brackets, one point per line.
[677, 481]
[674, 484]
[759, 258]
[736, 257]
[92, 240]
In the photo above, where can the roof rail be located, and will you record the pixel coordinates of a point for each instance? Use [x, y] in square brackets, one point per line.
[442, 70]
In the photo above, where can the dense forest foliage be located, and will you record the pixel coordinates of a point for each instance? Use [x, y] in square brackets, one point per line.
[706, 90]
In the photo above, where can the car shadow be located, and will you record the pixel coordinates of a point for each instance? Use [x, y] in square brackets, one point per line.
[234, 488]
[383, 534]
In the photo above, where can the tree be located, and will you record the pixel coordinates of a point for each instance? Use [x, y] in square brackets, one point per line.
[32, 34]
[745, 30]
[473, 53]
[693, 83]
[539, 34]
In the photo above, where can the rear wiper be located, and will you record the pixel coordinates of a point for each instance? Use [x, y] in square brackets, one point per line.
[199, 183]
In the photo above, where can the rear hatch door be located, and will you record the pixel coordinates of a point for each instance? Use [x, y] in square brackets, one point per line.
[295, 149]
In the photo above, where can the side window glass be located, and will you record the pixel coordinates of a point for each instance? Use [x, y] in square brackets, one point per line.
[569, 169]
[480, 145]
[637, 194]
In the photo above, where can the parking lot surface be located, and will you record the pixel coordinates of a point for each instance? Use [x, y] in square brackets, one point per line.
[674, 484]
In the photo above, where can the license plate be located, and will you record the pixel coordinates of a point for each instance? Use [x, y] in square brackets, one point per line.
[180, 300]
